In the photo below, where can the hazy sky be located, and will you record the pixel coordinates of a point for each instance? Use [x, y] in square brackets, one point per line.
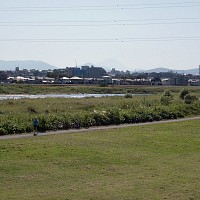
[140, 34]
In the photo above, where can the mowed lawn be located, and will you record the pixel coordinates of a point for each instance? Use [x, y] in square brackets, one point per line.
[146, 162]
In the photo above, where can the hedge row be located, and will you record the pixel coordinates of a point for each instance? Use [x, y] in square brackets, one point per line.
[98, 118]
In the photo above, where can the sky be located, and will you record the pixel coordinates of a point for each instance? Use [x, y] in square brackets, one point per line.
[139, 34]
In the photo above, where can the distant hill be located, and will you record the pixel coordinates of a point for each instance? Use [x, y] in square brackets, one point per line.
[158, 70]
[108, 64]
[188, 71]
[25, 64]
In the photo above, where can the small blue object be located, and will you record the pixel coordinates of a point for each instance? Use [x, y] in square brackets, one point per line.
[35, 122]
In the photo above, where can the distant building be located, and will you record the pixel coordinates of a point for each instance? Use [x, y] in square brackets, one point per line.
[182, 80]
[156, 81]
[86, 72]
[94, 72]
[73, 71]
[76, 80]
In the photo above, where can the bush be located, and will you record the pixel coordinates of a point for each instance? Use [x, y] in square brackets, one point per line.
[189, 99]
[100, 118]
[87, 121]
[3, 131]
[31, 109]
[114, 117]
[166, 98]
[42, 127]
[183, 93]
[116, 111]
[128, 96]
[103, 85]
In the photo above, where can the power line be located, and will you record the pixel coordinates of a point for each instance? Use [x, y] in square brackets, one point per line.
[107, 6]
[103, 21]
[166, 21]
[110, 40]
[104, 7]
[95, 25]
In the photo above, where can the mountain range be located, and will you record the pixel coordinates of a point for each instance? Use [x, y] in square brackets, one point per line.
[25, 64]
[186, 71]
[107, 64]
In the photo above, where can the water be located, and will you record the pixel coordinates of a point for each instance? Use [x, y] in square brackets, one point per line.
[42, 96]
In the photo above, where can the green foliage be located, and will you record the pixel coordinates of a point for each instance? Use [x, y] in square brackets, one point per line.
[100, 117]
[183, 93]
[128, 95]
[166, 98]
[189, 99]
[61, 114]
[103, 85]
[49, 89]
[87, 121]
[114, 116]
[31, 109]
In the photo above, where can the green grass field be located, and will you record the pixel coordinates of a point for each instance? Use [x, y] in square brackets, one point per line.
[146, 162]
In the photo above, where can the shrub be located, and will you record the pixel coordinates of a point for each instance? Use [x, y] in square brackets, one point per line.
[103, 85]
[3, 131]
[166, 98]
[10, 127]
[127, 117]
[189, 99]
[31, 109]
[43, 124]
[114, 116]
[87, 121]
[183, 93]
[100, 118]
[128, 96]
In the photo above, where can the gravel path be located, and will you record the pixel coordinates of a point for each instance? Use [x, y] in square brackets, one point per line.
[28, 135]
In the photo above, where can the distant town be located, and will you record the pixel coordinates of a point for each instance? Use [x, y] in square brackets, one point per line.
[97, 75]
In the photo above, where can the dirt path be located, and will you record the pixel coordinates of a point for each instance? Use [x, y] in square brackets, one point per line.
[28, 135]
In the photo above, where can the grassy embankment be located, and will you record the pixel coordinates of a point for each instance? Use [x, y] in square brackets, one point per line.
[147, 162]
[53, 114]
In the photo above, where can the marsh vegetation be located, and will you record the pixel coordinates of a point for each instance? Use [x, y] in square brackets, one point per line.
[16, 116]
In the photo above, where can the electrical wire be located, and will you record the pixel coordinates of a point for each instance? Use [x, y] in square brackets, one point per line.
[94, 25]
[103, 21]
[104, 7]
[110, 40]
